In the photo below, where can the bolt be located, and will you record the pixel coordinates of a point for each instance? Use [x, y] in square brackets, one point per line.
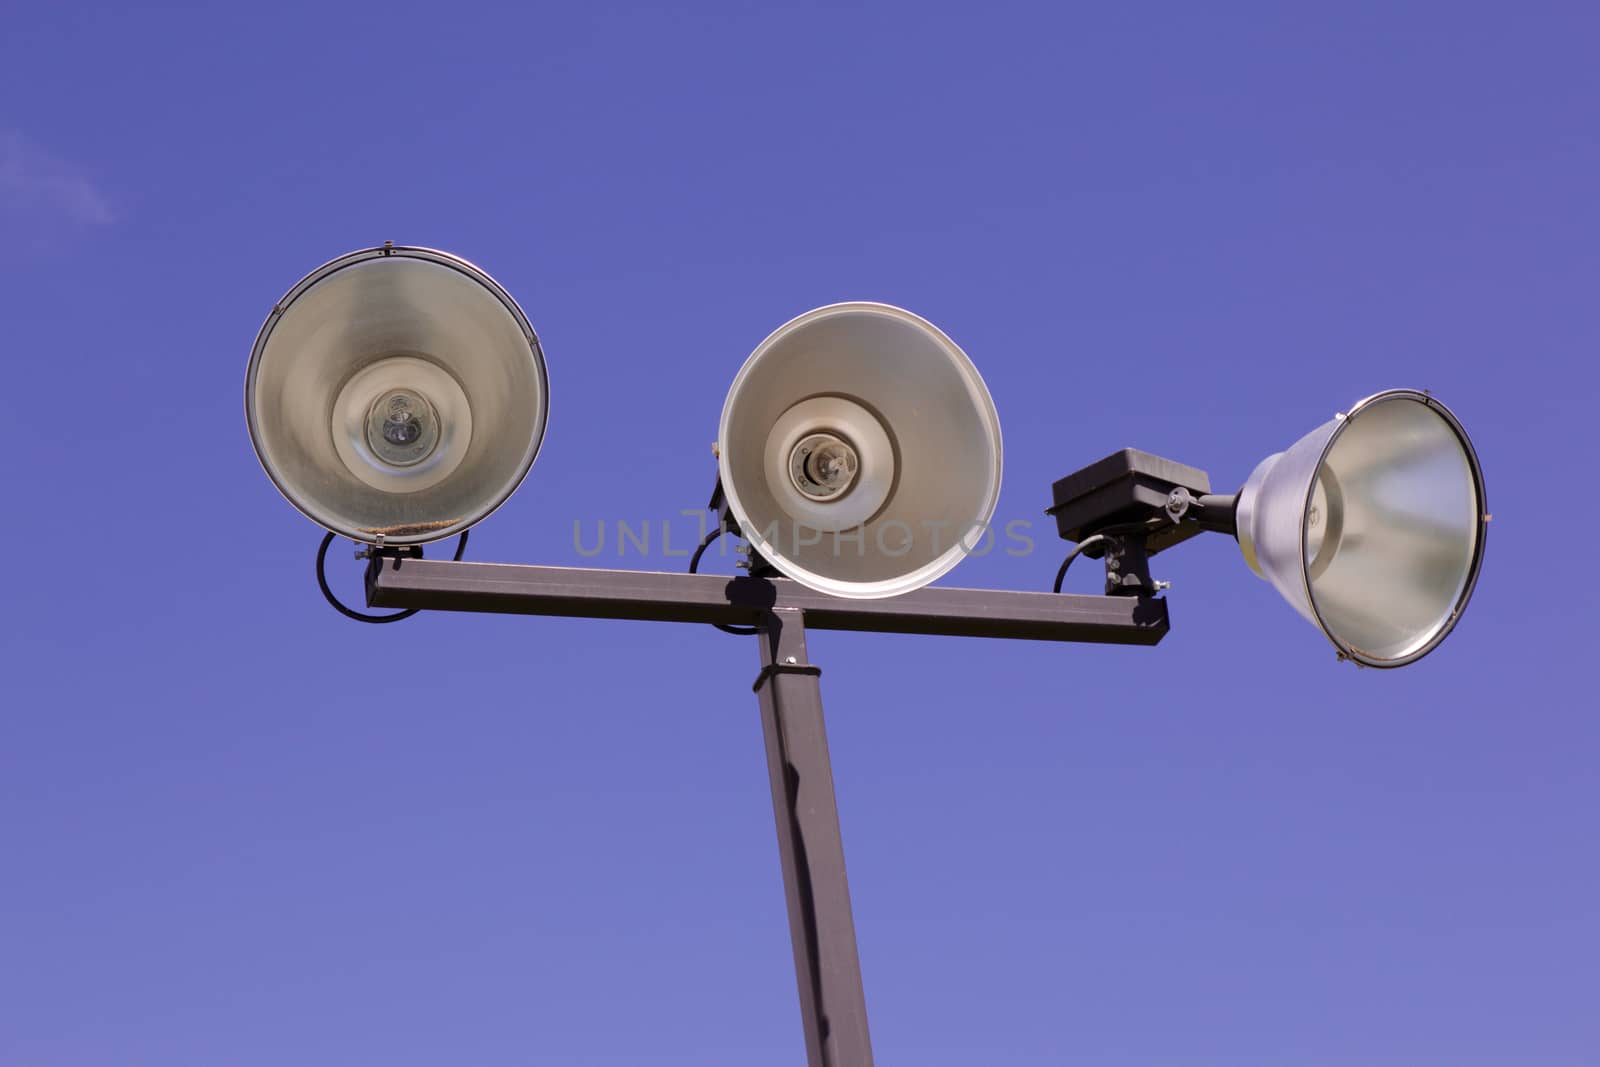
[1162, 585]
[791, 659]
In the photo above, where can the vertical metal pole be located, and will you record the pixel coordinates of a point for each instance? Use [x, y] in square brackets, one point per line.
[833, 1006]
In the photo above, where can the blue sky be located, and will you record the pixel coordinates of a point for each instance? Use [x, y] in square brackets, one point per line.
[240, 830]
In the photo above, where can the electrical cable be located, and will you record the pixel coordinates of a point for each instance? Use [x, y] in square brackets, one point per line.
[694, 568]
[360, 616]
[1087, 542]
[1105, 535]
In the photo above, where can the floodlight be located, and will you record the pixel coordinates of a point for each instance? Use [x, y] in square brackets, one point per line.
[859, 451]
[1372, 525]
[396, 395]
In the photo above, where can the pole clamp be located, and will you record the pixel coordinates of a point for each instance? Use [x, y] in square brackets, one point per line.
[772, 669]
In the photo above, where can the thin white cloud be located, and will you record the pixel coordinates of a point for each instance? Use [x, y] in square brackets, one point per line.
[43, 191]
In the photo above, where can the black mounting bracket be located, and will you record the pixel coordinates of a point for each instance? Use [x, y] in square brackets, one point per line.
[754, 562]
[1131, 505]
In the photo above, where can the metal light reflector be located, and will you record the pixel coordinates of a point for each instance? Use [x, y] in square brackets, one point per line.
[860, 451]
[396, 393]
[1372, 526]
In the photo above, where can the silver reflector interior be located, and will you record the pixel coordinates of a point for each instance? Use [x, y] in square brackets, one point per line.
[396, 393]
[1372, 526]
[860, 451]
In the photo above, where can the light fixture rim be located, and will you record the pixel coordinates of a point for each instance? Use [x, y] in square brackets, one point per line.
[441, 258]
[1428, 400]
[933, 569]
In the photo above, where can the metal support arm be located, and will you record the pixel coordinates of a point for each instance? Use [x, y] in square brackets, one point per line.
[444, 585]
